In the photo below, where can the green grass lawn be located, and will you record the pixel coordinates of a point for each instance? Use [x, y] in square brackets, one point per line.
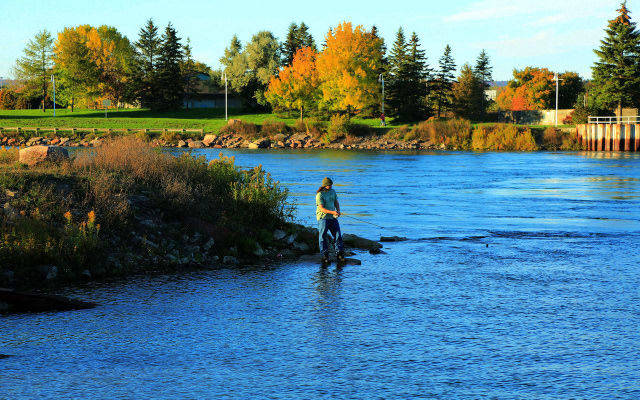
[211, 120]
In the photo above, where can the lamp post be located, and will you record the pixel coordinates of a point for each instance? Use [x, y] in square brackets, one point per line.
[53, 81]
[226, 115]
[381, 80]
[556, 78]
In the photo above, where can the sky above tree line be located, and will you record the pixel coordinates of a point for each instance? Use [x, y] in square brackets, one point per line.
[556, 34]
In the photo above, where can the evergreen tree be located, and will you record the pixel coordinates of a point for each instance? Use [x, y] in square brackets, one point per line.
[419, 74]
[170, 82]
[297, 37]
[290, 45]
[305, 38]
[484, 72]
[468, 93]
[397, 87]
[616, 74]
[36, 65]
[144, 69]
[189, 72]
[444, 81]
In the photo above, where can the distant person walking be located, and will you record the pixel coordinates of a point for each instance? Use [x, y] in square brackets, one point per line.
[382, 120]
[327, 213]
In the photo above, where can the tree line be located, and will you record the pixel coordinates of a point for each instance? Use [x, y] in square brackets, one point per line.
[342, 75]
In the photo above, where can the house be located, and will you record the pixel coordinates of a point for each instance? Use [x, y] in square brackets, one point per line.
[205, 94]
[494, 89]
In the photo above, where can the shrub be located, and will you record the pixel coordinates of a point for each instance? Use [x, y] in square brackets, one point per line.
[503, 137]
[399, 133]
[170, 137]
[339, 126]
[453, 133]
[8, 155]
[360, 130]
[8, 99]
[68, 215]
[143, 136]
[272, 128]
[314, 128]
[552, 139]
[246, 130]
[556, 139]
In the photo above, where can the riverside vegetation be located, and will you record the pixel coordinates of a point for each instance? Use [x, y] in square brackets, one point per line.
[267, 130]
[125, 207]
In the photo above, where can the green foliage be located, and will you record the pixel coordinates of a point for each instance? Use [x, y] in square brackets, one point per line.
[616, 74]
[503, 137]
[250, 69]
[468, 95]
[443, 83]
[408, 74]
[37, 63]
[68, 215]
[169, 75]
[298, 37]
[339, 127]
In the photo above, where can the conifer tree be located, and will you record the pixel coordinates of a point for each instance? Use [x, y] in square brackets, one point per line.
[616, 74]
[484, 72]
[37, 63]
[189, 73]
[298, 37]
[419, 74]
[144, 69]
[170, 82]
[468, 93]
[444, 81]
[397, 78]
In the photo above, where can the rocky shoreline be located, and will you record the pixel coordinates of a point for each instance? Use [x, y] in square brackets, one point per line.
[230, 141]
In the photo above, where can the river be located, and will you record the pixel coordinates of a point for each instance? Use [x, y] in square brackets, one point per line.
[520, 279]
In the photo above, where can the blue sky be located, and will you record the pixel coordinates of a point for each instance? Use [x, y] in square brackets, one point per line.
[558, 34]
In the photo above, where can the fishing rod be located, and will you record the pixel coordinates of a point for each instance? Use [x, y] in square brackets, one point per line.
[362, 220]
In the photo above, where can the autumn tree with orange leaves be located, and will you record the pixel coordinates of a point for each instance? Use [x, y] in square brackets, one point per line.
[296, 85]
[348, 69]
[535, 88]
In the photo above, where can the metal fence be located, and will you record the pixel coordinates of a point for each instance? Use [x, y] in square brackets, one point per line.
[615, 120]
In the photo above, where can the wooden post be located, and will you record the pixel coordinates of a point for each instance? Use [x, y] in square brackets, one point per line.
[636, 137]
[607, 137]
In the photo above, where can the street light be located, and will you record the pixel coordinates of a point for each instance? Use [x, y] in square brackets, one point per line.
[381, 79]
[53, 81]
[556, 78]
[226, 116]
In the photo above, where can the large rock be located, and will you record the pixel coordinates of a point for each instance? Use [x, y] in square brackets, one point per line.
[196, 144]
[29, 302]
[360, 243]
[39, 154]
[209, 140]
[260, 144]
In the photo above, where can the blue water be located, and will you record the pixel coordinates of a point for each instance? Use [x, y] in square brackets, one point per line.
[520, 281]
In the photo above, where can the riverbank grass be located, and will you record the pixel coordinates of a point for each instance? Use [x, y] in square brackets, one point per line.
[126, 207]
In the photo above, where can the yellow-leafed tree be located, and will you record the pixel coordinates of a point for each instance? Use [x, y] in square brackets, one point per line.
[348, 69]
[296, 85]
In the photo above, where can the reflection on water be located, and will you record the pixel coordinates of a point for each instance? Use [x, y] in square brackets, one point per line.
[519, 280]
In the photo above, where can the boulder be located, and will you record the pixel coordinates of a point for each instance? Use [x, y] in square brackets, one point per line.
[279, 234]
[260, 144]
[234, 121]
[39, 154]
[29, 302]
[230, 260]
[209, 140]
[182, 143]
[196, 144]
[357, 242]
[301, 247]
[393, 239]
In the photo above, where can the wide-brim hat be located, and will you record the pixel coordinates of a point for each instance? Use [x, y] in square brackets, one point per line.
[327, 182]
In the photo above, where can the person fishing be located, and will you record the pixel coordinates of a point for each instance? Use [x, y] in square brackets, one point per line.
[327, 213]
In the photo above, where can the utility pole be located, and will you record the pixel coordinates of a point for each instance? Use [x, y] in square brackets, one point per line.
[556, 78]
[226, 115]
[53, 81]
[381, 79]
